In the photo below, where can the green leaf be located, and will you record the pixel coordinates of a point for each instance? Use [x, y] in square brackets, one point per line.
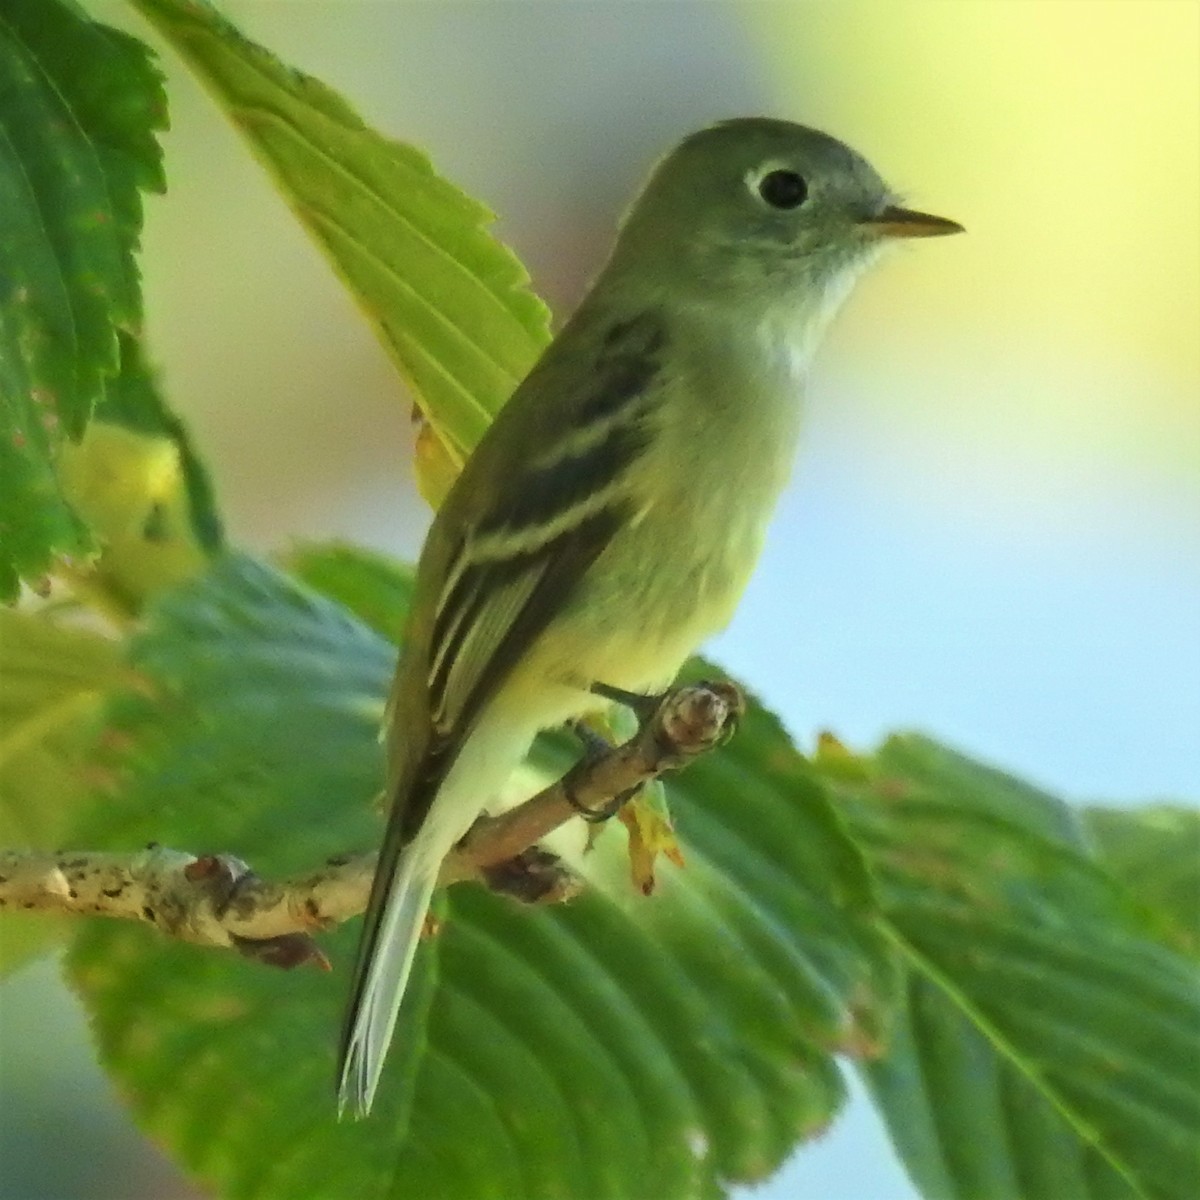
[372, 586]
[80, 104]
[52, 683]
[1049, 1045]
[1155, 852]
[614, 1047]
[981, 790]
[968, 1123]
[449, 301]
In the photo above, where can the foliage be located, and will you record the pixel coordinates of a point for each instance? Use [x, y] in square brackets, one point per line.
[1047, 1037]
[1015, 979]
[53, 681]
[81, 104]
[614, 1046]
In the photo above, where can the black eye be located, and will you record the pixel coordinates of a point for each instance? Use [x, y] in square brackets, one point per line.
[783, 189]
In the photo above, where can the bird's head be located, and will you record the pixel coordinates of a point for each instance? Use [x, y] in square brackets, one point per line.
[763, 210]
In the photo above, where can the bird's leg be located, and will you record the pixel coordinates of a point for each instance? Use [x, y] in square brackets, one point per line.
[642, 706]
[595, 745]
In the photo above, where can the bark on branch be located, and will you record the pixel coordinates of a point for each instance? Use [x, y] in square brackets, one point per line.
[217, 900]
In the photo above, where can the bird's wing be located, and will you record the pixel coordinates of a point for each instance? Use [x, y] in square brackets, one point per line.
[506, 554]
[514, 554]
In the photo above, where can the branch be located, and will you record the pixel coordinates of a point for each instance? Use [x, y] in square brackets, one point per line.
[216, 900]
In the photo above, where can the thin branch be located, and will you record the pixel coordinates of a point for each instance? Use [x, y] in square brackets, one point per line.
[687, 723]
[216, 900]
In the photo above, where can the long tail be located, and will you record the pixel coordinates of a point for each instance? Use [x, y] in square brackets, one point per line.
[387, 954]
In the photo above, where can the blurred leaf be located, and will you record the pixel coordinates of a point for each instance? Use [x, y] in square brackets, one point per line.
[136, 481]
[375, 588]
[1049, 1046]
[80, 106]
[969, 1123]
[451, 303]
[52, 682]
[26, 936]
[976, 788]
[616, 1046]
[1155, 852]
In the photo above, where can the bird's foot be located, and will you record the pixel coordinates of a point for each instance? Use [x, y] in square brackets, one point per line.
[595, 747]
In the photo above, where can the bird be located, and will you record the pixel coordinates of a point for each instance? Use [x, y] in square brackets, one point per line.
[610, 517]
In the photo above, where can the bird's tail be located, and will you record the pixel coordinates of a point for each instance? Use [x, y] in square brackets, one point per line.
[376, 1000]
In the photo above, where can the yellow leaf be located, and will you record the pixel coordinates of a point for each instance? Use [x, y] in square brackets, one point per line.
[651, 833]
[131, 488]
[437, 463]
[834, 757]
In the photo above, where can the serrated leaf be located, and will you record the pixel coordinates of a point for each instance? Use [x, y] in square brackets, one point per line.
[1050, 1045]
[1155, 852]
[450, 302]
[52, 683]
[80, 104]
[613, 1047]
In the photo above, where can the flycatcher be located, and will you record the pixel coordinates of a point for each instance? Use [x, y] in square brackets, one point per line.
[610, 517]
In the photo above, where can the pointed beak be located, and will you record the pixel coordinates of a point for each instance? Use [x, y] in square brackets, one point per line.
[906, 223]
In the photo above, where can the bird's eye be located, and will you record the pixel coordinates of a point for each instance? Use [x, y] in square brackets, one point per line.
[783, 189]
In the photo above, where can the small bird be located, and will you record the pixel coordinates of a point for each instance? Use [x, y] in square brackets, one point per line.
[609, 519]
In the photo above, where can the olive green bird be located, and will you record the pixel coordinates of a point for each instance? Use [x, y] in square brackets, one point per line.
[610, 518]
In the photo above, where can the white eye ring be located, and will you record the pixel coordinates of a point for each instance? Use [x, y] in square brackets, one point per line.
[778, 186]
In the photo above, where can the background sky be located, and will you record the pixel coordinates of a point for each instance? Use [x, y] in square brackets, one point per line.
[993, 534]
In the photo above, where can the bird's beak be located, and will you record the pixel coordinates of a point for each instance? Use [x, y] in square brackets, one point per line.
[906, 223]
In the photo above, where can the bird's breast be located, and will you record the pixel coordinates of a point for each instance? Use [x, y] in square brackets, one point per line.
[702, 496]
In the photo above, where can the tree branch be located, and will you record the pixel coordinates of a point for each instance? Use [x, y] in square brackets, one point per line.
[216, 900]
